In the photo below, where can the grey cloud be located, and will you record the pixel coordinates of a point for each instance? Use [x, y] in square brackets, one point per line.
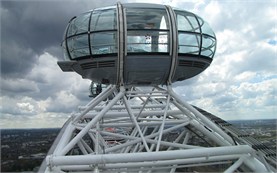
[49, 91]
[187, 82]
[240, 14]
[56, 52]
[16, 60]
[60, 108]
[259, 59]
[271, 101]
[41, 24]
[18, 106]
[29, 28]
[15, 87]
[226, 101]
[82, 94]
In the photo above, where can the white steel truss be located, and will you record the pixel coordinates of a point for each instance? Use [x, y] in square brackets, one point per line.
[147, 130]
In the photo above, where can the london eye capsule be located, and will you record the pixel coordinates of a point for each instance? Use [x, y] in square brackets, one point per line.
[137, 44]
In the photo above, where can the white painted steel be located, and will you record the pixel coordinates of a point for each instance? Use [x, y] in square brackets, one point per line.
[136, 113]
[71, 144]
[132, 116]
[158, 163]
[237, 164]
[144, 134]
[151, 156]
[98, 99]
[204, 119]
[64, 139]
[162, 125]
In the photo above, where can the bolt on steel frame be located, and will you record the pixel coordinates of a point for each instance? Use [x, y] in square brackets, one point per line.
[141, 129]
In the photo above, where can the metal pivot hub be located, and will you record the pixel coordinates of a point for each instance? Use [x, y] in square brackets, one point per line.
[146, 130]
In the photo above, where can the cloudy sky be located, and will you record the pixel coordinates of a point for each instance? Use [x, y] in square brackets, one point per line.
[241, 83]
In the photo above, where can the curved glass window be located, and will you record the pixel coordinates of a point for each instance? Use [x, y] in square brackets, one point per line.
[65, 54]
[77, 38]
[194, 35]
[147, 30]
[78, 25]
[103, 20]
[103, 37]
[189, 43]
[187, 22]
[64, 46]
[205, 27]
[208, 39]
[91, 33]
[78, 46]
[103, 43]
[208, 46]
[188, 33]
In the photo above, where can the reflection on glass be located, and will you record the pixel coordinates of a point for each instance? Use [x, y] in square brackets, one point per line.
[103, 20]
[147, 30]
[103, 43]
[187, 22]
[147, 41]
[146, 18]
[189, 35]
[78, 46]
[189, 43]
[208, 46]
[65, 54]
[79, 25]
[206, 29]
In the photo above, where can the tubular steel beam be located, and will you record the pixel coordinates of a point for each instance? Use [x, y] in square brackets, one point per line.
[152, 130]
[204, 119]
[133, 118]
[79, 136]
[150, 156]
[136, 113]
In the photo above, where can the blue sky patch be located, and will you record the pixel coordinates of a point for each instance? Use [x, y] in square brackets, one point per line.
[272, 42]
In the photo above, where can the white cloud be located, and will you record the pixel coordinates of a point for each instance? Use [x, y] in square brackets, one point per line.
[46, 95]
[42, 120]
[47, 70]
[51, 79]
[244, 76]
[212, 11]
[239, 84]
[18, 106]
[229, 41]
[18, 85]
[242, 101]
[63, 102]
[26, 107]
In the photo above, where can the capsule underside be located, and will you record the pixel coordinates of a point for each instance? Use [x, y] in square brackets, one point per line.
[137, 44]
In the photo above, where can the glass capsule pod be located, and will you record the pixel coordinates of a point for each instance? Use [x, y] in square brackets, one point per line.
[137, 44]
